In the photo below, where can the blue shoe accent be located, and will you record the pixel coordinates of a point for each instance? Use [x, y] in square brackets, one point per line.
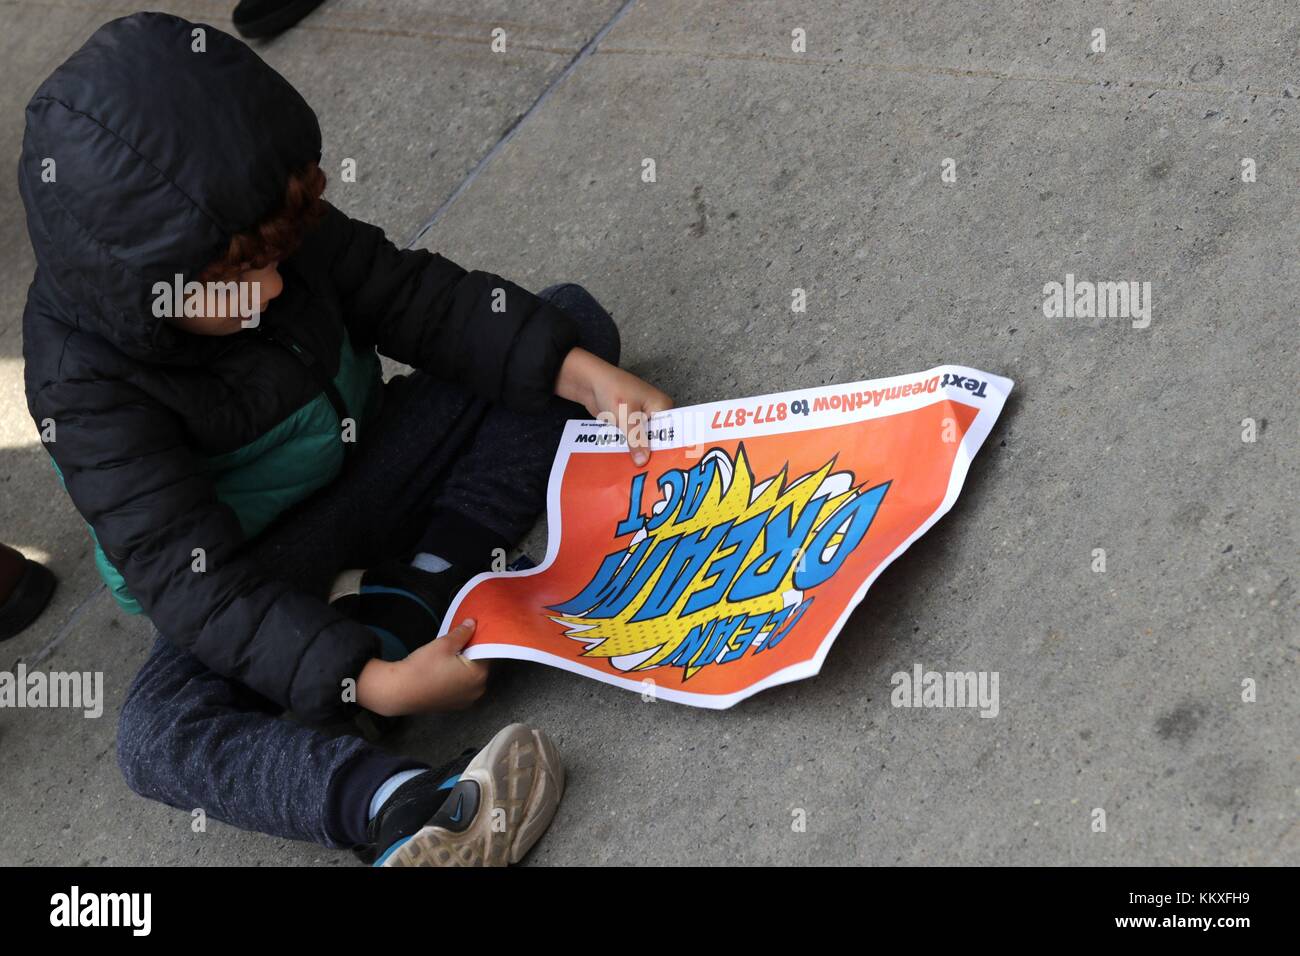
[391, 647]
[383, 589]
[417, 800]
[460, 807]
[389, 852]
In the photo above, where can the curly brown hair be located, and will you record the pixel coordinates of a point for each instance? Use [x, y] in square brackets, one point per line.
[279, 234]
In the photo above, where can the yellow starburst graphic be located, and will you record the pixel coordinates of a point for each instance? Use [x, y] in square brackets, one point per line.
[712, 571]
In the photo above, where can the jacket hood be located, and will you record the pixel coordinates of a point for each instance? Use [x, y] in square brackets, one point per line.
[143, 154]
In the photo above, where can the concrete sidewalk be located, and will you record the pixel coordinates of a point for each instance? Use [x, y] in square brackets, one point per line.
[821, 170]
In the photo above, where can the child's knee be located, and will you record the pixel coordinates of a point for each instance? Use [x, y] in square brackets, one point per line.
[150, 714]
[597, 332]
[132, 734]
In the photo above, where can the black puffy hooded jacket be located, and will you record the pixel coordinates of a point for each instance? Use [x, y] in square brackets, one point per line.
[142, 157]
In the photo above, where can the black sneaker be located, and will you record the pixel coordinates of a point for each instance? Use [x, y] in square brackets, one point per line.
[25, 589]
[260, 19]
[485, 808]
[404, 606]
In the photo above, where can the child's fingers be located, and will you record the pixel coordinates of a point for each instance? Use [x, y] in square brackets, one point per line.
[658, 402]
[637, 425]
[454, 641]
[479, 669]
[637, 442]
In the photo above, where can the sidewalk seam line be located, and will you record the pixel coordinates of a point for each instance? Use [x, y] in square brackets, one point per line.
[66, 627]
[586, 51]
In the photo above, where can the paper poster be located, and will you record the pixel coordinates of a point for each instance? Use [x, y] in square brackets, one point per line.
[731, 561]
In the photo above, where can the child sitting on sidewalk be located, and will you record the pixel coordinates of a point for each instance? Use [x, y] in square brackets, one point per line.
[232, 462]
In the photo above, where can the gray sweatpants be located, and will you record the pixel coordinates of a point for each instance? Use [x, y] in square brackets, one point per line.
[439, 465]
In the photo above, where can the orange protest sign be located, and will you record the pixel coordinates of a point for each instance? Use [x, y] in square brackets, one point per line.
[732, 560]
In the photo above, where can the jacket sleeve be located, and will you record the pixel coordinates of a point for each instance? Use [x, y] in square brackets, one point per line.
[130, 473]
[472, 328]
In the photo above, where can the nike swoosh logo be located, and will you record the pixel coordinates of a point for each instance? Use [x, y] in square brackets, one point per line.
[460, 801]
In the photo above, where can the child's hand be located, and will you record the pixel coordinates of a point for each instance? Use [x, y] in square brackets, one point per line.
[612, 394]
[435, 677]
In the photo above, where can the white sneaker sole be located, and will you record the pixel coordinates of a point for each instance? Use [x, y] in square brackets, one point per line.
[520, 781]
